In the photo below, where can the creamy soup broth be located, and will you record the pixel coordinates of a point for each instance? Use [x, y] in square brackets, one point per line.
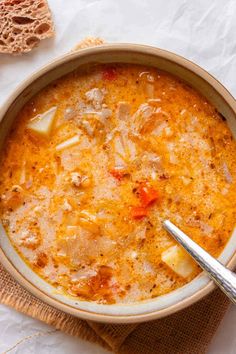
[92, 166]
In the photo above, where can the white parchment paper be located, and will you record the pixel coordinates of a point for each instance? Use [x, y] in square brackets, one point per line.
[203, 31]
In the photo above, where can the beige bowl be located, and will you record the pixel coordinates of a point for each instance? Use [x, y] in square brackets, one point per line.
[125, 53]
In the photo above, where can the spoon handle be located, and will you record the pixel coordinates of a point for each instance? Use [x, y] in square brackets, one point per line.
[222, 276]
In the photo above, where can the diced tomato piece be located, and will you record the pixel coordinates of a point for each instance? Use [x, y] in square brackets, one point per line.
[138, 212]
[147, 195]
[118, 174]
[109, 74]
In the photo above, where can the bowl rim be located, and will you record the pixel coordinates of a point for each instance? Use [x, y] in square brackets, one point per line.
[131, 48]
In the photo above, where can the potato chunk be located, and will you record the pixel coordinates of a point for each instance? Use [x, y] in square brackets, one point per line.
[178, 260]
[42, 124]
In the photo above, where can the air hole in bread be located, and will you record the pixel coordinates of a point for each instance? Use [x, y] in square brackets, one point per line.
[40, 5]
[16, 2]
[32, 41]
[16, 30]
[22, 20]
[11, 39]
[2, 43]
[44, 27]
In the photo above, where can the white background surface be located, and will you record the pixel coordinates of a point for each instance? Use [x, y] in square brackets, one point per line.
[203, 31]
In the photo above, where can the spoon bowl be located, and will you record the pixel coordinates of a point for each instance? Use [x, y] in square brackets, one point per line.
[222, 276]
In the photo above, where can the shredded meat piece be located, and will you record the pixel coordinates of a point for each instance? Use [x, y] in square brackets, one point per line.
[76, 179]
[97, 287]
[42, 260]
[95, 96]
[13, 198]
[30, 240]
[123, 110]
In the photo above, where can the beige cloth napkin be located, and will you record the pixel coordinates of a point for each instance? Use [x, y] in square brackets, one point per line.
[187, 332]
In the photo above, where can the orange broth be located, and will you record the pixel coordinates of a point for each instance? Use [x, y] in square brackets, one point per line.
[87, 215]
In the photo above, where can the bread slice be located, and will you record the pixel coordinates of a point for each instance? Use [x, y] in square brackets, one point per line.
[23, 24]
[89, 42]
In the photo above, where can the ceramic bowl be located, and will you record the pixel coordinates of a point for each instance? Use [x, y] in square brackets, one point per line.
[124, 53]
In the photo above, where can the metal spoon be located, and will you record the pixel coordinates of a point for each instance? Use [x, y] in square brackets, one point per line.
[222, 276]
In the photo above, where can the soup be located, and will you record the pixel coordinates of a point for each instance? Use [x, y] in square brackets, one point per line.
[93, 165]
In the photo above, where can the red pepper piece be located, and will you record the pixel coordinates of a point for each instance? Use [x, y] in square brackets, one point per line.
[147, 195]
[118, 174]
[109, 74]
[138, 212]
